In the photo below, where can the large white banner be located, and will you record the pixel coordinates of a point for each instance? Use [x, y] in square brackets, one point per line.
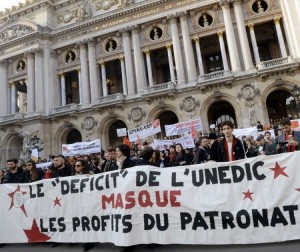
[144, 131]
[81, 148]
[242, 202]
[182, 127]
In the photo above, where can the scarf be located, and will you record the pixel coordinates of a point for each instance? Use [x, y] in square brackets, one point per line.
[232, 152]
[120, 161]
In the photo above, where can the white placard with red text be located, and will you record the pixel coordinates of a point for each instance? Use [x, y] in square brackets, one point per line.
[182, 127]
[144, 131]
[81, 148]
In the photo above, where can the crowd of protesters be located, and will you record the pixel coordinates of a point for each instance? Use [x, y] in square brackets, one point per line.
[213, 147]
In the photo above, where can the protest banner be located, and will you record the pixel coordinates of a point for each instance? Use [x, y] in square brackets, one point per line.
[246, 132]
[122, 132]
[241, 202]
[144, 131]
[186, 142]
[81, 148]
[43, 165]
[183, 127]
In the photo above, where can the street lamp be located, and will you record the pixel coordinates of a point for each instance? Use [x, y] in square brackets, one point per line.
[296, 93]
[35, 144]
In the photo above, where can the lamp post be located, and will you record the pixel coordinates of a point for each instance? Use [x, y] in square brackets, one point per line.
[35, 144]
[296, 93]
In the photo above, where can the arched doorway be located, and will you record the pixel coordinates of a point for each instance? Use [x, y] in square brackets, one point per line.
[14, 147]
[112, 133]
[74, 136]
[221, 111]
[281, 104]
[166, 118]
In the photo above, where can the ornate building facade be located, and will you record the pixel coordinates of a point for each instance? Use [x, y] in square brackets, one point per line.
[77, 70]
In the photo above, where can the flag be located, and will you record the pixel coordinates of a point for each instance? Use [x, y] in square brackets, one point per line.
[139, 143]
[194, 132]
[126, 141]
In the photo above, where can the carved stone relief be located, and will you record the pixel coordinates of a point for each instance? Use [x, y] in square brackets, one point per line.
[248, 92]
[104, 4]
[84, 10]
[189, 104]
[89, 123]
[15, 31]
[136, 114]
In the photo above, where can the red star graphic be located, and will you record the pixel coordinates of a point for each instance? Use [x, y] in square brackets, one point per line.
[34, 234]
[57, 202]
[248, 195]
[17, 199]
[278, 171]
[298, 189]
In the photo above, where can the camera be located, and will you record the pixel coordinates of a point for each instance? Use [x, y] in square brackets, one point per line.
[283, 143]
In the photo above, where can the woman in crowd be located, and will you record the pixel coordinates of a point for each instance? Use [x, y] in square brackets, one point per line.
[123, 157]
[181, 158]
[34, 174]
[163, 159]
[155, 158]
[71, 160]
[80, 167]
[171, 154]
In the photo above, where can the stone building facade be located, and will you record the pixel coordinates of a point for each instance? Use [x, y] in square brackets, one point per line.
[77, 70]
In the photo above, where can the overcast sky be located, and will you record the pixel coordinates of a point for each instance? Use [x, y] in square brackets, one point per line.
[9, 3]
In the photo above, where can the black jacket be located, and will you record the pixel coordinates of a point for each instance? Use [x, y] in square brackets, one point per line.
[19, 177]
[238, 150]
[128, 163]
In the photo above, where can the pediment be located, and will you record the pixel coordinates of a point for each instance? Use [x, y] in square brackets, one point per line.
[16, 30]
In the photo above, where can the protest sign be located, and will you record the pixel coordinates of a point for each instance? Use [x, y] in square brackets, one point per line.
[241, 202]
[144, 131]
[81, 148]
[122, 132]
[183, 127]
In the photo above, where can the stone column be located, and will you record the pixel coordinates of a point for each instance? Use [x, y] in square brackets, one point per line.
[177, 50]
[93, 70]
[128, 62]
[254, 44]
[149, 67]
[124, 82]
[242, 34]
[171, 63]
[199, 55]
[280, 38]
[4, 89]
[188, 49]
[223, 51]
[39, 81]
[80, 85]
[63, 89]
[138, 61]
[13, 97]
[104, 83]
[230, 36]
[84, 74]
[49, 73]
[30, 83]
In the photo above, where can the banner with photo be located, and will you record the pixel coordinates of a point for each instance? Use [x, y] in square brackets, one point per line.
[144, 131]
[183, 127]
[241, 202]
[81, 148]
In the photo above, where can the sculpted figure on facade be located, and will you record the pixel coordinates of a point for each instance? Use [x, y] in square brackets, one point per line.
[15, 32]
[252, 117]
[84, 10]
[104, 4]
[248, 92]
